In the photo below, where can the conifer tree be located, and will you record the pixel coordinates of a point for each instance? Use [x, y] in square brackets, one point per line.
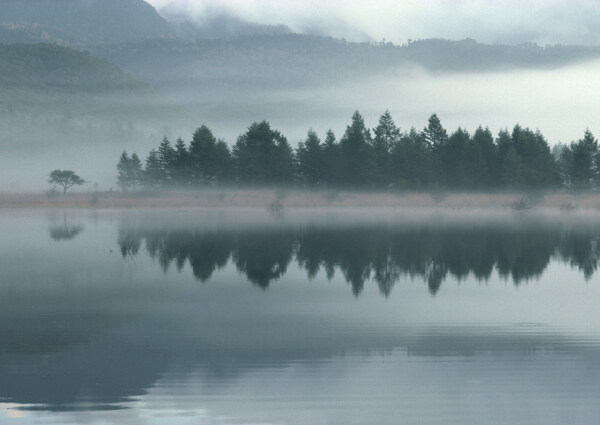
[452, 154]
[435, 134]
[123, 172]
[153, 172]
[181, 164]
[331, 159]
[202, 154]
[584, 153]
[135, 171]
[412, 162]
[357, 153]
[129, 171]
[166, 159]
[310, 159]
[484, 138]
[386, 136]
[263, 156]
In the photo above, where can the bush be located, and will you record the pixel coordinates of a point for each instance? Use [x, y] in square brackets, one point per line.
[520, 204]
[52, 193]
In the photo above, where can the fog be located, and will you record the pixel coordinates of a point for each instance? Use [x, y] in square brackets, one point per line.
[89, 135]
[83, 327]
[557, 21]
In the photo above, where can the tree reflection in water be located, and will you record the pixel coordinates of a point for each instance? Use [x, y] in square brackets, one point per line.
[382, 253]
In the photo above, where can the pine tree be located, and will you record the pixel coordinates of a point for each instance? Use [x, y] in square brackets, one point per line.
[508, 163]
[263, 156]
[129, 172]
[331, 160]
[386, 135]
[357, 154]
[583, 170]
[412, 162]
[153, 172]
[166, 158]
[135, 171]
[222, 162]
[181, 164]
[202, 152]
[123, 172]
[452, 155]
[310, 159]
[435, 134]
[485, 140]
[475, 174]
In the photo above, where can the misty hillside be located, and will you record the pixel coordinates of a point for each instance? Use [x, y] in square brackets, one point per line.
[293, 60]
[35, 33]
[217, 25]
[88, 21]
[223, 51]
[52, 68]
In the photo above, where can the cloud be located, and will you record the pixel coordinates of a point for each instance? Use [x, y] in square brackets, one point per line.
[509, 21]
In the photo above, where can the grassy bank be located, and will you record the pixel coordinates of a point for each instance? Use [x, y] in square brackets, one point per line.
[294, 198]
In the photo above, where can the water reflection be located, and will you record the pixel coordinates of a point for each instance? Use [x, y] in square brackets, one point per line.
[518, 250]
[86, 337]
[65, 231]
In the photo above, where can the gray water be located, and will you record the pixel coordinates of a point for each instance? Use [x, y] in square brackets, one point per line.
[308, 317]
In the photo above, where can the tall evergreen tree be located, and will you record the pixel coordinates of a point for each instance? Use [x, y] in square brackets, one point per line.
[508, 163]
[538, 168]
[475, 173]
[412, 162]
[123, 172]
[386, 136]
[310, 160]
[181, 164]
[153, 172]
[563, 157]
[166, 159]
[263, 156]
[135, 171]
[331, 160]
[583, 171]
[129, 171]
[484, 138]
[202, 151]
[356, 153]
[451, 154]
[435, 134]
[222, 163]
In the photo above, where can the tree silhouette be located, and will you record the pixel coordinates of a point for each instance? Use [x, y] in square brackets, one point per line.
[65, 178]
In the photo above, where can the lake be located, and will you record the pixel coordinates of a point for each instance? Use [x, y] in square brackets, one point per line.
[314, 316]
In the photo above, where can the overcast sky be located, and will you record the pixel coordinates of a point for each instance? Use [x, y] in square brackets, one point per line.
[504, 21]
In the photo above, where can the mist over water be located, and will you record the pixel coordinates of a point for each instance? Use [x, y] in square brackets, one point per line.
[185, 242]
[560, 103]
[120, 317]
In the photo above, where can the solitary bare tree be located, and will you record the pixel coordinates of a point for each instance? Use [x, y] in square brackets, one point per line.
[65, 178]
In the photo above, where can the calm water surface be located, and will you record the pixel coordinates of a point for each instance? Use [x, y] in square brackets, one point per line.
[311, 317]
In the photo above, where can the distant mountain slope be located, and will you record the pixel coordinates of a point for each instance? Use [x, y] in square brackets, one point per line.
[300, 60]
[89, 21]
[216, 25]
[49, 67]
[35, 33]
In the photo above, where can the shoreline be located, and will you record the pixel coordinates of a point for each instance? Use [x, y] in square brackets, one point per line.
[297, 198]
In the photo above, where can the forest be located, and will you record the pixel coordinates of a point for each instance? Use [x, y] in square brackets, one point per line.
[384, 157]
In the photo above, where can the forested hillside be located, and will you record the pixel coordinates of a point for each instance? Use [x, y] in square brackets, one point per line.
[54, 68]
[290, 60]
[89, 21]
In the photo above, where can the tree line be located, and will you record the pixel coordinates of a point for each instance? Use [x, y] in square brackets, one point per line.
[382, 157]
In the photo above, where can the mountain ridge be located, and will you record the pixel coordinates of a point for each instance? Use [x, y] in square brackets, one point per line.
[88, 21]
